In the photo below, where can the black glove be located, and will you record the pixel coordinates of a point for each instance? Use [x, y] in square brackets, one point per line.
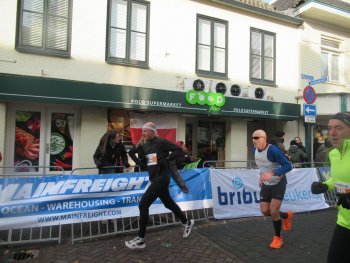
[127, 165]
[99, 166]
[344, 201]
[318, 188]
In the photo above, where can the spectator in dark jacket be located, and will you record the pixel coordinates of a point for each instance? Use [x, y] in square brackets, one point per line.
[110, 152]
[295, 154]
[278, 140]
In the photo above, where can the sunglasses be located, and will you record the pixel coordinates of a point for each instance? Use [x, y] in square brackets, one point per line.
[256, 138]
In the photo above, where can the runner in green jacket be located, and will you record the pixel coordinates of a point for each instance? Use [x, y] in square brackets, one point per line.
[339, 130]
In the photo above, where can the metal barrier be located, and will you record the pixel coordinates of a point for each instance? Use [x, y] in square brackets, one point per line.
[97, 229]
[31, 234]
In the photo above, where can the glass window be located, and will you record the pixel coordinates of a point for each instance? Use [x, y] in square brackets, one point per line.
[262, 56]
[128, 27]
[44, 26]
[211, 47]
[27, 141]
[61, 141]
[330, 59]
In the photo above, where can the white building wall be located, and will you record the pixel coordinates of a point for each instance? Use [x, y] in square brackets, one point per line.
[310, 35]
[172, 47]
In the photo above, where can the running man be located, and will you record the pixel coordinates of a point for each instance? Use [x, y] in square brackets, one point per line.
[339, 131]
[273, 166]
[157, 151]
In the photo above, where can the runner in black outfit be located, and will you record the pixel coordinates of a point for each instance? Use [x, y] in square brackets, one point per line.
[157, 151]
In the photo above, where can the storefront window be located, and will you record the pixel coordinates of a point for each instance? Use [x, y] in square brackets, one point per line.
[27, 141]
[61, 141]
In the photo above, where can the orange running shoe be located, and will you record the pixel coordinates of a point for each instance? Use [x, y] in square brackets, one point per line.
[287, 223]
[277, 242]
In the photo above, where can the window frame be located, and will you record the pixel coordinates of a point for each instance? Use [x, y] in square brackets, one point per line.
[127, 61]
[19, 46]
[331, 50]
[262, 80]
[211, 72]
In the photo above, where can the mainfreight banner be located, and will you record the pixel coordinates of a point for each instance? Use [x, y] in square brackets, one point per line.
[236, 192]
[53, 200]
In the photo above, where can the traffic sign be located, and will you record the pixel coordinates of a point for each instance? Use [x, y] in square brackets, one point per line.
[309, 95]
[317, 81]
[306, 76]
[310, 110]
[310, 119]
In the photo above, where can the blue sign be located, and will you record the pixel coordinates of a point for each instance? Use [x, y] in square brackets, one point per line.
[308, 77]
[310, 110]
[316, 81]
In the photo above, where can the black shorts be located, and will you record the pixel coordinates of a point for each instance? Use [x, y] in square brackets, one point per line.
[269, 192]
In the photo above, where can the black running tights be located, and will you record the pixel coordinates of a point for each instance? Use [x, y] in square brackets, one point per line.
[339, 248]
[155, 190]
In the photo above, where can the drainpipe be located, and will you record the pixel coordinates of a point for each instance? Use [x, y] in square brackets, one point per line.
[343, 106]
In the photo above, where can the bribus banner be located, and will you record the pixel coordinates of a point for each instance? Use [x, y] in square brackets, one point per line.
[236, 193]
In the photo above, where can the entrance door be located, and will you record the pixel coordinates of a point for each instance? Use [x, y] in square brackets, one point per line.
[41, 139]
[211, 140]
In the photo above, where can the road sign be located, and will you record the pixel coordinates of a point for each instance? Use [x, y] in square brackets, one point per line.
[317, 81]
[310, 110]
[310, 119]
[309, 95]
[306, 76]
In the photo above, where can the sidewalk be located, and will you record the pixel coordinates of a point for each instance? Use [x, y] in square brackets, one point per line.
[214, 241]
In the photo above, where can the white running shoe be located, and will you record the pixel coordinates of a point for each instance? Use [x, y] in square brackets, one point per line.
[136, 243]
[187, 228]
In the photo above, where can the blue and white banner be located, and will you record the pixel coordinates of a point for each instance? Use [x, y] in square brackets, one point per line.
[53, 200]
[236, 192]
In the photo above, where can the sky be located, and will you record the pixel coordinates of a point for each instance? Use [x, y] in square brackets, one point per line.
[267, 1]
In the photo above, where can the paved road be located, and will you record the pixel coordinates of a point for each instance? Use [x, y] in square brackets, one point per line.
[213, 241]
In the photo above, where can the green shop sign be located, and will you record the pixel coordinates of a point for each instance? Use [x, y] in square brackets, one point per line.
[61, 91]
[214, 100]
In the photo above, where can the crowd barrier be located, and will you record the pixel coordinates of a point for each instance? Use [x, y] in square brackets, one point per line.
[95, 229]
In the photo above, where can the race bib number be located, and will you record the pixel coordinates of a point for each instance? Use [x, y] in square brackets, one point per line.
[342, 188]
[151, 159]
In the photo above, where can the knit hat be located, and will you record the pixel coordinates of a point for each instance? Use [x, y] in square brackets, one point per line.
[342, 116]
[279, 134]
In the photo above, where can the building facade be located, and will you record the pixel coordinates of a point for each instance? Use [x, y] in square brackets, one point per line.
[324, 56]
[71, 69]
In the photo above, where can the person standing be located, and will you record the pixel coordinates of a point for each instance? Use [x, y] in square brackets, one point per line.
[295, 154]
[273, 166]
[110, 153]
[278, 140]
[157, 151]
[339, 131]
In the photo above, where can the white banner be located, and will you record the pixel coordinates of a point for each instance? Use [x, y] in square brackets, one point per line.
[236, 192]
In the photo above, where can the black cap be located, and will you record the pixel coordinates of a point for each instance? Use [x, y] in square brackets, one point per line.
[279, 133]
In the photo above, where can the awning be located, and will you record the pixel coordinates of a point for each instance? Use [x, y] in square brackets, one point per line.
[46, 90]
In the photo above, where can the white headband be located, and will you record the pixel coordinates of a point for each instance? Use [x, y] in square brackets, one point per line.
[149, 128]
